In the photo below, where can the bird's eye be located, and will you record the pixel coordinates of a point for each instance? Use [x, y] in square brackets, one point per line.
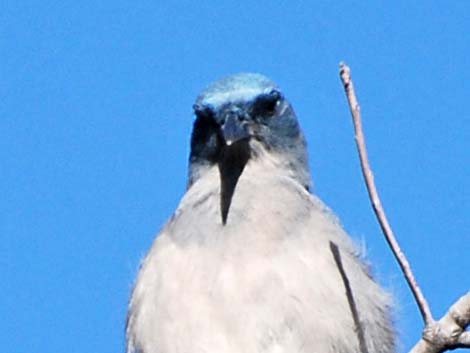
[203, 111]
[265, 104]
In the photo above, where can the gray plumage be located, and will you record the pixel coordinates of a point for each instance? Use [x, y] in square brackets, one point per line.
[246, 263]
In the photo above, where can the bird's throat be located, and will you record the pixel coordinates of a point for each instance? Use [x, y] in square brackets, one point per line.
[231, 165]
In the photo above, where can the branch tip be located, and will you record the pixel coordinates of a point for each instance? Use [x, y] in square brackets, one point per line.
[452, 330]
[345, 73]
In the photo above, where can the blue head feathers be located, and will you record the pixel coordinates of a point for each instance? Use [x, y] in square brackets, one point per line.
[237, 115]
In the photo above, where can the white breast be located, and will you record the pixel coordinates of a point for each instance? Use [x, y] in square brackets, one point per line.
[264, 282]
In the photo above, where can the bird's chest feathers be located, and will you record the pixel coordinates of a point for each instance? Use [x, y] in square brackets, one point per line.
[244, 279]
[265, 206]
[236, 257]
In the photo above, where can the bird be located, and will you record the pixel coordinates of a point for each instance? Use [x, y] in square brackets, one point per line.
[252, 261]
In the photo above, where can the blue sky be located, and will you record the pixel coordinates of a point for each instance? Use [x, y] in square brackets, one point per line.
[95, 117]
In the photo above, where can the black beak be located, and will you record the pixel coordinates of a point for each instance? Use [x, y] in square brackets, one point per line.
[234, 128]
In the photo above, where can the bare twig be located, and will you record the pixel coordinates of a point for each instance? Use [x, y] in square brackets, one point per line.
[345, 73]
[351, 301]
[448, 333]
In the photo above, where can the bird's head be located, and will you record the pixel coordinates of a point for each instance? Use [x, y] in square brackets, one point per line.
[240, 119]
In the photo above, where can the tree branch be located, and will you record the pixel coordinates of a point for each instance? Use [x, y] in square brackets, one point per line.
[351, 301]
[449, 332]
[345, 73]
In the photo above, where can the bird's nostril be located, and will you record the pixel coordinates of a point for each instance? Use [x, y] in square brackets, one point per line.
[234, 116]
[237, 116]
